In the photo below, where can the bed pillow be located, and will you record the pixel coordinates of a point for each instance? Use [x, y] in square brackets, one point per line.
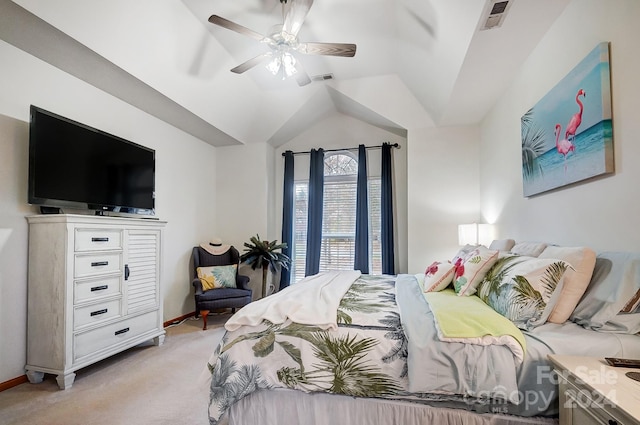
[529, 249]
[438, 276]
[615, 282]
[464, 251]
[576, 279]
[470, 268]
[523, 289]
[215, 277]
[502, 244]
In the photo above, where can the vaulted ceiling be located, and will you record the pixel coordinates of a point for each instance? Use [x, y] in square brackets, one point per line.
[418, 62]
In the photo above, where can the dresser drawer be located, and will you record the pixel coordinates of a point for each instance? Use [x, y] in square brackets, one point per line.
[95, 289]
[97, 264]
[92, 341]
[97, 239]
[96, 313]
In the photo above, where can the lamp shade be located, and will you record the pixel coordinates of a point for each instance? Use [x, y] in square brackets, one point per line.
[475, 233]
[468, 234]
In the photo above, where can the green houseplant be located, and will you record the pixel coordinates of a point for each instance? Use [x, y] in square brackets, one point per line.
[266, 255]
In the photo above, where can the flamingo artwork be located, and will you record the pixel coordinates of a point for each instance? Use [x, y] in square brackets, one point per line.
[563, 146]
[576, 119]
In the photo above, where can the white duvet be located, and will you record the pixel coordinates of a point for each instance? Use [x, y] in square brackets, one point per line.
[312, 301]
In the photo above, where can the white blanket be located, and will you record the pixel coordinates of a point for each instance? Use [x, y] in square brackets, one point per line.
[312, 301]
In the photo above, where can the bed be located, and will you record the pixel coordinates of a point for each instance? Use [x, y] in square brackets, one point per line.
[354, 349]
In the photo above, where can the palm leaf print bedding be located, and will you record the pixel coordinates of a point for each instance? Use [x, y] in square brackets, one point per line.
[365, 357]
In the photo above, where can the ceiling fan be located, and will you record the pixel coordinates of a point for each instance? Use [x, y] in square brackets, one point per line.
[283, 41]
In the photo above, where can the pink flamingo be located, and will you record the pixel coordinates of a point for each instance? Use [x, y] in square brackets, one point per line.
[576, 119]
[563, 146]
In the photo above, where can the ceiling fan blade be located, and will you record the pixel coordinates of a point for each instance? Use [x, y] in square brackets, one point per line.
[301, 75]
[329, 49]
[245, 66]
[225, 23]
[298, 11]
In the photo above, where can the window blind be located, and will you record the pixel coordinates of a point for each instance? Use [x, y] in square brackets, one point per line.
[338, 226]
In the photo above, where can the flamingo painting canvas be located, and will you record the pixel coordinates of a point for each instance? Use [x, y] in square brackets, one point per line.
[567, 137]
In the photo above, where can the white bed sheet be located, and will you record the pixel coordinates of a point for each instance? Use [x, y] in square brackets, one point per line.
[629, 346]
[572, 339]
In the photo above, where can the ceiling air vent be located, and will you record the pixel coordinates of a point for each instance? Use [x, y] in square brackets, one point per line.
[494, 14]
[323, 77]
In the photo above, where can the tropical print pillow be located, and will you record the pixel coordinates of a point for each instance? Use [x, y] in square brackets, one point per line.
[215, 277]
[523, 289]
[576, 280]
[438, 276]
[470, 268]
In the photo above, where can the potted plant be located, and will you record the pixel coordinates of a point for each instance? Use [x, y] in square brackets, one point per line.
[266, 255]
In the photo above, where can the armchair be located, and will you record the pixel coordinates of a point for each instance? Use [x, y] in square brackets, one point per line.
[221, 297]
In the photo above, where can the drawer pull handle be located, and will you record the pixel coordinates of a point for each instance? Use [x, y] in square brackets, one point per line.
[127, 272]
[99, 263]
[121, 331]
[99, 288]
[98, 312]
[99, 239]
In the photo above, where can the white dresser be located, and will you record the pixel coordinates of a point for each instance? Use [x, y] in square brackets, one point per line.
[93, 291]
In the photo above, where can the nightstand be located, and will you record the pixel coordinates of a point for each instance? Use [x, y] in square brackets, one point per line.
[592, 392]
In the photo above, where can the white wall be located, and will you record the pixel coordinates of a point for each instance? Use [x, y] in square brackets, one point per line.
[14, 156]
[242, 193]
[339, 131]
[604, 213]
[181, 198]
[245, 200]
[443, 191]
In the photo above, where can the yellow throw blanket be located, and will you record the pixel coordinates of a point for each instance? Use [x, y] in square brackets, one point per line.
[470, 320]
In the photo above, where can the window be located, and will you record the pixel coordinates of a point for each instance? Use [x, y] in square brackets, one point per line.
[339, 218]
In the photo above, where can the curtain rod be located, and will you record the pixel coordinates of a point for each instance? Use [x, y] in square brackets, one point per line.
[394, 145]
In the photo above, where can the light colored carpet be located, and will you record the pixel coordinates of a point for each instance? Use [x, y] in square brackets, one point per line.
[143, 385]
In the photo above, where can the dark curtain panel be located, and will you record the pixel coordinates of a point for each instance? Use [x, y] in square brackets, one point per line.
[386, 186]
[287, 215]
[361, 258]
[314, 219]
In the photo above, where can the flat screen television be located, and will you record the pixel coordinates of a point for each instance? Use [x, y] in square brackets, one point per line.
[77, 166]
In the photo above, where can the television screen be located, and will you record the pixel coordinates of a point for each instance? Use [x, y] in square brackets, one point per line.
[77, 166]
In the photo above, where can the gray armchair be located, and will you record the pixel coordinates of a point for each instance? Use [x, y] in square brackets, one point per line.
[215, 299]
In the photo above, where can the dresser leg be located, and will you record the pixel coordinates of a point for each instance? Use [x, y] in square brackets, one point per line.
[65, 381]
[34, 376]
[159, 340]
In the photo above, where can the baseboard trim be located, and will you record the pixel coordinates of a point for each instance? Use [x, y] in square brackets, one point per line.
[13, 382]
[178, 319]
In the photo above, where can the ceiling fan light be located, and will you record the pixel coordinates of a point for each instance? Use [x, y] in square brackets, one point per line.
[274, 65]
[284, 64]
[289, 63]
